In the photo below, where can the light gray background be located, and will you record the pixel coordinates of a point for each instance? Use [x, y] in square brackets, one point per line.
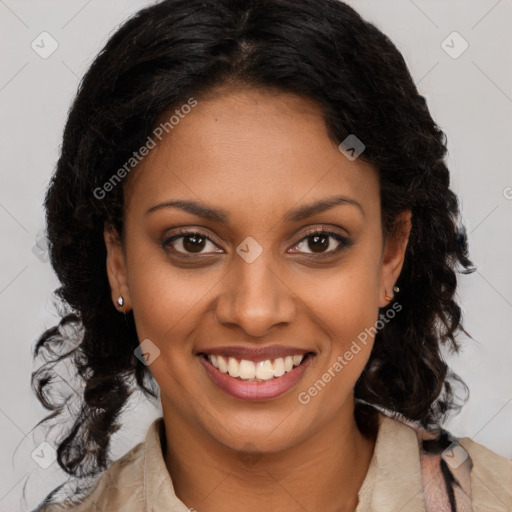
[470, 97]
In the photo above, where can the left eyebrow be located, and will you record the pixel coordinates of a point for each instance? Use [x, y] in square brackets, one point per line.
[308, 210]
[293, 215]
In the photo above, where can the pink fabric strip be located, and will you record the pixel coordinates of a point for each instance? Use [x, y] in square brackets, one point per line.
[434, 487]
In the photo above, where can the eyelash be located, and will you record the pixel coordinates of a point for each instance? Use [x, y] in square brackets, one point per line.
[344, 242]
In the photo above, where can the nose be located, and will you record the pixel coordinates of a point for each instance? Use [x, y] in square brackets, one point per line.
[255, 297]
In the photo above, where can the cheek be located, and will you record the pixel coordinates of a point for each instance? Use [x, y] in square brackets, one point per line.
[346, 306]
[344, 300]
[166, 304]
[346, 310]
[166, 299]
[348, 317]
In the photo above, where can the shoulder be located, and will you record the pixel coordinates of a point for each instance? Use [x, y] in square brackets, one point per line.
[478, 477]
[120, 484]
[491, 477]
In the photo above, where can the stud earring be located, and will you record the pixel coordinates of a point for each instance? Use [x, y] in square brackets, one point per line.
[120, 301]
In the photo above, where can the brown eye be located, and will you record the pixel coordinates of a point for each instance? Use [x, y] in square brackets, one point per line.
[318, 243]
[321, 242]
[191, 242]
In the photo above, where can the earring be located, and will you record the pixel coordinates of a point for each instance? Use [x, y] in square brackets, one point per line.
[395, 289]
[120, 301]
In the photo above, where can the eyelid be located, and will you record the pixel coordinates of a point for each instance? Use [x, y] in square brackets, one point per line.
[343, 241]
[183, 233]
[192, 231]
[322, 228]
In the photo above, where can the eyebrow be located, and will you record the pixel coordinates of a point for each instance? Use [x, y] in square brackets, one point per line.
[222, 216]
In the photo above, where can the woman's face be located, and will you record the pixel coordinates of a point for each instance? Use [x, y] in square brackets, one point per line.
[255, 173]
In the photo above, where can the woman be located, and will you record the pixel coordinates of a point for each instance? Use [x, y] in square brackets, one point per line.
[252, 208]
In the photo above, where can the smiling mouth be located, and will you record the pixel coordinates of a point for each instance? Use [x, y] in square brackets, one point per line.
[256, 371]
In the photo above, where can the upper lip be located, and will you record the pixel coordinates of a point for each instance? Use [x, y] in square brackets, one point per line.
[255, 353]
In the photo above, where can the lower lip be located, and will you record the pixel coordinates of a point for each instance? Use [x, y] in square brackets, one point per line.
[264, 390]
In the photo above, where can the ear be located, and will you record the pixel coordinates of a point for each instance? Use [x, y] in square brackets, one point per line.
[116, 269]
[393, 257]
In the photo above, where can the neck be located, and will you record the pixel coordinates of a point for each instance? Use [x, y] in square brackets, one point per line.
[324, 472]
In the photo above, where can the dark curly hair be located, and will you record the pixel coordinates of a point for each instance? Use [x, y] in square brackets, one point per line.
[177, 49]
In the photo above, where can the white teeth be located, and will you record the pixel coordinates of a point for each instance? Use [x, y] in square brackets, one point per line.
[296, 360]
[233, 367]
[223, 366]
[247, 369]
[262, 370]
[279, 367]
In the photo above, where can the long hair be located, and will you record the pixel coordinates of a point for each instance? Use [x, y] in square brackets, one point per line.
[178, 49]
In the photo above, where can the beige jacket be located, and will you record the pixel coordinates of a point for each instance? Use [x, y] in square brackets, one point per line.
[139, 481]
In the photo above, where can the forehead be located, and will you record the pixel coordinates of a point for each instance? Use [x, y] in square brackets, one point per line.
[253, 151]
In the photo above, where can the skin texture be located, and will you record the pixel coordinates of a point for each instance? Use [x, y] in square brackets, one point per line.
[256, 154]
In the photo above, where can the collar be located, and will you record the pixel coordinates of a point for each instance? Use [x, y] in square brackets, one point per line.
[393, 481]
[158, 489]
